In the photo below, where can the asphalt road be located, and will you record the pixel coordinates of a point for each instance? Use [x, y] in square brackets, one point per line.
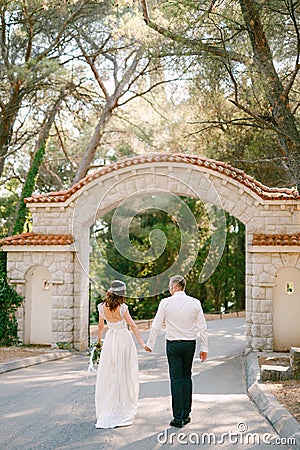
[51, 405]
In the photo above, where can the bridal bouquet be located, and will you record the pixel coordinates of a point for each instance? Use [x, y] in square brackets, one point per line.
[95, 351]
[94, 354]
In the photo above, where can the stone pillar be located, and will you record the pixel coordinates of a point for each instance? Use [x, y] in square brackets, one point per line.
[295, 362]
[259, 301]
[59, 262]
[81, 291]
[62, 270]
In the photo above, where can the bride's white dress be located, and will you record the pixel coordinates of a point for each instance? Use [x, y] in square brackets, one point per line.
[117, 384]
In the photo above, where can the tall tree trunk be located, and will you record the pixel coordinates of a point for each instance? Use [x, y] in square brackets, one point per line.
[110, 105]
[27, 190]
[37, 160]
[95, 141]
[283, 122]
[7, 120]
[283, 118]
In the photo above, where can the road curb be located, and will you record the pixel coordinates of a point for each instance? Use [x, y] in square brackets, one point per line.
[283, 422]
[33, 360]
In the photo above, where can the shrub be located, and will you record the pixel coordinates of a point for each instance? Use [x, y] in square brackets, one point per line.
[10, 300]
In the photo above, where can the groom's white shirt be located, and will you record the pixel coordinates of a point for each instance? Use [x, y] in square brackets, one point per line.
[184, 319]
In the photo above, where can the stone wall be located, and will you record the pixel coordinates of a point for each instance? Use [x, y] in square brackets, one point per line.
[261, 209]
[61, 267]
[263, 263]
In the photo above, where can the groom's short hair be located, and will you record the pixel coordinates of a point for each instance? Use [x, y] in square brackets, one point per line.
[177, 280]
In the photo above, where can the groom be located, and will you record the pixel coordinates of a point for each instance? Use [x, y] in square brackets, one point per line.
[184, 321]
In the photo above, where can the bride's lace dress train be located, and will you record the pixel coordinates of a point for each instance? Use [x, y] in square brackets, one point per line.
[117, 384]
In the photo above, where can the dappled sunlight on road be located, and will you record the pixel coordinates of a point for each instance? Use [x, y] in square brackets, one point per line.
[51, 406]
[24, 412]
[212, 398]
[51, 377]
[154, 375]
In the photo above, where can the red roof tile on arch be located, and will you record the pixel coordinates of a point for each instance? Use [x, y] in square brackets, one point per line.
[37, 239]
[261, 190]
[276, 239]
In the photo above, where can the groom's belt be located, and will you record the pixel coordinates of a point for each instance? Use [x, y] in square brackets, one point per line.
[181, 340]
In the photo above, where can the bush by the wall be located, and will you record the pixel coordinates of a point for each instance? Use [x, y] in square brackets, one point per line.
[10, 300]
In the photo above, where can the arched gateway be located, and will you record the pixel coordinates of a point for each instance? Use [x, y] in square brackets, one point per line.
[61, 225]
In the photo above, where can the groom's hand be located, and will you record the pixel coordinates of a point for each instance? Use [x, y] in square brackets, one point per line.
[203, 356]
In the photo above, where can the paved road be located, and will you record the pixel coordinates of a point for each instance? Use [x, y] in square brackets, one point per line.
[51, 406]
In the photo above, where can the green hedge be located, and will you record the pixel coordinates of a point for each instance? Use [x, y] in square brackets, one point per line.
[10, 300]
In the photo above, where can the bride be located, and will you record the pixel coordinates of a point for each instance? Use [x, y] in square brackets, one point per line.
[117, 384]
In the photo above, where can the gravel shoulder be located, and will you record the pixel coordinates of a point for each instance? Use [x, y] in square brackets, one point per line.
[288, 394]
[15, 353]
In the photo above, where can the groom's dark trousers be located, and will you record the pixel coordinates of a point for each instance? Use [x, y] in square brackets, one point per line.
[180, 356]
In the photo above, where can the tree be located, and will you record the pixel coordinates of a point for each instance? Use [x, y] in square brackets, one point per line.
[224, 289]
[241, 37]
[111, 100]
[226, 286]
[31, 35]
[49, 51]
[218, 131]
[27, 190]
[123, 69]
[37, 159]
[10, 300]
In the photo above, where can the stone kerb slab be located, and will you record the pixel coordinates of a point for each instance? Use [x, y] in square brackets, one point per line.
[282, 421]
[33, 360]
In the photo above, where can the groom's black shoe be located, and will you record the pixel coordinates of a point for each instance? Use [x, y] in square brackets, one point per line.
[186, 420]
[176, 423]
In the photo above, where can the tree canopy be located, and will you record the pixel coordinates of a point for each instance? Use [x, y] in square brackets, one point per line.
[253, 47]
[224, 290]
[84, 83]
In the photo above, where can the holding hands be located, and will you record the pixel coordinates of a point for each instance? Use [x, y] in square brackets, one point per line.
[146, 348]
[203, 356]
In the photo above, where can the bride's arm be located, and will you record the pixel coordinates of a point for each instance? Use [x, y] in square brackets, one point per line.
[135, 330]
[100, 329]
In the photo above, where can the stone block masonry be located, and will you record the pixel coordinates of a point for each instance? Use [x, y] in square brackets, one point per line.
[60, 238]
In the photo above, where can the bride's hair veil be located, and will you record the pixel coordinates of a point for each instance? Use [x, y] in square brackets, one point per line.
[115, 295]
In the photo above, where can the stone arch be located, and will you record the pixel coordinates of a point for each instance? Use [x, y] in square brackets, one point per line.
[180, 174]
[271, 217]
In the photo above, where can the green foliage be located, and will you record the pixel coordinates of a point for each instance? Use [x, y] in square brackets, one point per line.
[193, 114]
[144, 307]
[95, 299]
[10, 300]
[8, 205]
[226, 286]
[225, 289]
[223, 133]
[28, 190]
[220, 44]
[64, 345]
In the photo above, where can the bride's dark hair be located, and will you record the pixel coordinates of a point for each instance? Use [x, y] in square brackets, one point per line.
[115, 295]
